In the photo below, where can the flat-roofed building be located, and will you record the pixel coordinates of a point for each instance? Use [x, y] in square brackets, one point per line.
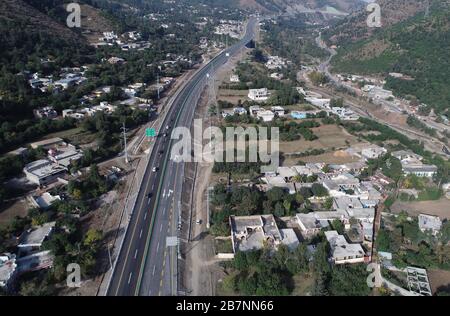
[429, 223]
[8, 270]
[43, 172]
[343, 252]
[258, 94]
[31, 240]
[255, 232]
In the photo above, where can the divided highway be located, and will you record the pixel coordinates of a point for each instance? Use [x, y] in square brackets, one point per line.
[147, 264]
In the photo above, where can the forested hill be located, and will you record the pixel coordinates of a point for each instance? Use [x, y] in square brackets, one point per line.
[26, 31]
[417, 47]
[297, 5]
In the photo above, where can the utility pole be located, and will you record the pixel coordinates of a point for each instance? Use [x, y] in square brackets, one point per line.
[427, 10]
[125, 142]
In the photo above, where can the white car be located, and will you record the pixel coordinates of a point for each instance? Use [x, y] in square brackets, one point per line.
[155, 169]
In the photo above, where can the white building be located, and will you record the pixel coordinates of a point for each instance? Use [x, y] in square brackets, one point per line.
[258, 94]
[319, 102]
[430, 223]
[343, 252]
[32, 239]
[420, 170]
[43, 172]
[234, 78]
[373, 152]
[255, 232]
[266, 116]
[8, 270]
[278, 110]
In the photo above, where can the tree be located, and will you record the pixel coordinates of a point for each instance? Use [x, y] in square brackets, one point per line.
[93, 236]
[240, 261]
[338, 226]
[349, 280]
[328, 203]
[383, 241]
[319, 190]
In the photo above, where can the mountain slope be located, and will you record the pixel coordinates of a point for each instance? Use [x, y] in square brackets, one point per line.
[299, 6]
[417, 47]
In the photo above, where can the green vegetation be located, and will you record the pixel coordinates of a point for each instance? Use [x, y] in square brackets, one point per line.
[417, 47]
[386, 133]
[318, 78]
[415, 122]
[410, 246]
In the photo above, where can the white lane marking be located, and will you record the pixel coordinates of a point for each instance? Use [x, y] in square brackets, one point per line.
[148, 202]
[145, 215]
[129, 278]
[157, 247]
[164, 193]
[140, 234]
[160, 228]
[153, 186]
[154, 269]
[135, 254]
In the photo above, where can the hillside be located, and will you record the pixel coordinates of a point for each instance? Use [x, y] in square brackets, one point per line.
[301, 6]
[354, 27]
[417, 47]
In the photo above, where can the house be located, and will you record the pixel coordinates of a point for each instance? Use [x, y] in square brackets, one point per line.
[373, 152]
[420, 170]
[343, 252]
[407, 156]
[64, 154]
[258, 94]
[45, 112]
[31, 240]
[278, 110]
[276, 76]
[44, 201]
[239, 111]
[227, 112]
[287, 173]
[35, 261]
[265, 115]
[255, 232]
[43, 172]
[319, 102]
[8, 270]
[116, 61]
[234, 78]
[254, 109]
[47, 143]
[275, 62]
[429, 223]
[310, 225]
[73, 114]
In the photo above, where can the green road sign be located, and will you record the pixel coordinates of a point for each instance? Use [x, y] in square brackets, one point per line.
[150, 132]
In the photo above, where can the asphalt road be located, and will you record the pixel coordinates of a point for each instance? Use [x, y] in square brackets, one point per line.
[147, 264]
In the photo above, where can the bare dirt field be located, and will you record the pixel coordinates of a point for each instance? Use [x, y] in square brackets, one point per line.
[329, 136]
[18, 207]
[439, 279]
[328, 158]
[439, 208]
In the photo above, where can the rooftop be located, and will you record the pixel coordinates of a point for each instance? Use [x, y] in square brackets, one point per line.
[36, 237]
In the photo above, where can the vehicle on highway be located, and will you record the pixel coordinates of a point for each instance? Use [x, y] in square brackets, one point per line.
[155, 169]
[149, 195]
[199, 222]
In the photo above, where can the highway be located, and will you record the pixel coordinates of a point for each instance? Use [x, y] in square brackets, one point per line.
[146, 264]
